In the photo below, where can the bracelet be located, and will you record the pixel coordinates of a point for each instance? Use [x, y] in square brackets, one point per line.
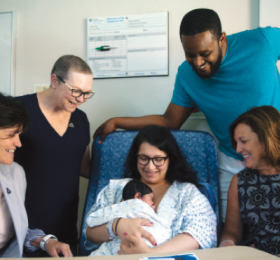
[117, 225]
[227, 240]
[110, 229]
[46, 239]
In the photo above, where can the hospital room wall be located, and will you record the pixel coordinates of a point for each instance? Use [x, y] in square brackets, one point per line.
[46, 30]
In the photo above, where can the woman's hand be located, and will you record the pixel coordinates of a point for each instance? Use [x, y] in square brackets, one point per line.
[227, 242]
[233, 228]
[133, 245]
[133, 226]
[55, 247]
[136, 245]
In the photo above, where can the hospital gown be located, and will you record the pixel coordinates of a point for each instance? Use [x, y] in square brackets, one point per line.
[189, 209]
[133, 208]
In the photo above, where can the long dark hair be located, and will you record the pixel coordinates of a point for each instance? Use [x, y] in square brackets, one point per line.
[179, 169]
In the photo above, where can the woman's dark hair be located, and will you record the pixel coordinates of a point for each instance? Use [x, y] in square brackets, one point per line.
[134, 186]
[201, 20]
[179, 169]
[265, 122]
[13, 113]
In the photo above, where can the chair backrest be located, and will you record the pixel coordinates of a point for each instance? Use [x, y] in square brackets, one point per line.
[108, 160]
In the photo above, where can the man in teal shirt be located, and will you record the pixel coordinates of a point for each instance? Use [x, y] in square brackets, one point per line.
[224, 76]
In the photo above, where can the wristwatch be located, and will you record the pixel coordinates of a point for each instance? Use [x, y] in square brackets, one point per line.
[46, 239]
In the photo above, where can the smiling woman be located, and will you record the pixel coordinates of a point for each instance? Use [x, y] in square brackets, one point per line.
[55, 147]
[14, 232]
[13, 120]
[156, 160]
[10, 141]
[249, 146]
[253, 197]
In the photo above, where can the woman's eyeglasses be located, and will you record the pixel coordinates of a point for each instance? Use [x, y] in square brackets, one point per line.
[76, 92]
[157, 161]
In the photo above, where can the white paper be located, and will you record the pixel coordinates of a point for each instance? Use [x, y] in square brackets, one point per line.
[139, 45]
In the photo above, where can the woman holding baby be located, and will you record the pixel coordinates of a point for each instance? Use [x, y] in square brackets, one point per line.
[156, 160]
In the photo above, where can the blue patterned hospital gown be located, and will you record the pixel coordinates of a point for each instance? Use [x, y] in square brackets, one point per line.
[183, 205]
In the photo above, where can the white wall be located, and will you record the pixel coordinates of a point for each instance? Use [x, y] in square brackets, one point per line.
[48, 29]
[269, 15]
[6, 51]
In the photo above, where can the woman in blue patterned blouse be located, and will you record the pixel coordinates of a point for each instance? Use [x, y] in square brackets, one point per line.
[254, 193]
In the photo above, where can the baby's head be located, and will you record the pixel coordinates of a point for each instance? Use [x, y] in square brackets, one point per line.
[138, 190]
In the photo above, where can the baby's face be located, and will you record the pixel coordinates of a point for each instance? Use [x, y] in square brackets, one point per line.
[148, 198]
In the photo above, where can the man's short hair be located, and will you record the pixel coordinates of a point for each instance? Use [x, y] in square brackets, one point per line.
[201, 20]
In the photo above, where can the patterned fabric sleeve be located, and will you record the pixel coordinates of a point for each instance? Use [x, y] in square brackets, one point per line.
[199, 219]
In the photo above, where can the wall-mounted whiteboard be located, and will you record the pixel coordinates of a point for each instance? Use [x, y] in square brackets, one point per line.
[6, 52]
[138, 45]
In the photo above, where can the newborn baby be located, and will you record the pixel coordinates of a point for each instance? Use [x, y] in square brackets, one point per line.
[137, 202]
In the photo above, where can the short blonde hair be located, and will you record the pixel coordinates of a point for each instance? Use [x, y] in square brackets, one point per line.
[70, 62]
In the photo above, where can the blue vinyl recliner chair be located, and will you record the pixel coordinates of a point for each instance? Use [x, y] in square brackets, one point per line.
[108, 159]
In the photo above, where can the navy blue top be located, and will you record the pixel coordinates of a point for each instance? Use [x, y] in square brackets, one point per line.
[52, 166]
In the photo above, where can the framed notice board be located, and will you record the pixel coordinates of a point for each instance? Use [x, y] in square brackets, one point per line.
[128, 45]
